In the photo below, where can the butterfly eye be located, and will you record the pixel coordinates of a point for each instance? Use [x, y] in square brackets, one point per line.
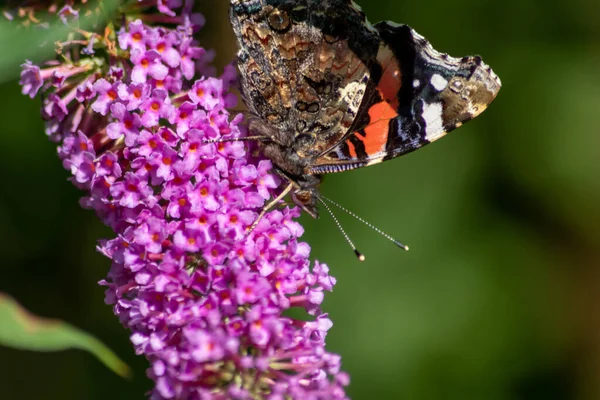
[279, 21]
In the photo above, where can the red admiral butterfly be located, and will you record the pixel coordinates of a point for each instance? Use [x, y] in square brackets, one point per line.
[329, 92]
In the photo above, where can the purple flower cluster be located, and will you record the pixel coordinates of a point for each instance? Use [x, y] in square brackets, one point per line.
[203, 299]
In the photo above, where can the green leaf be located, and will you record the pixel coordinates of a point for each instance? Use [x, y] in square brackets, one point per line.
[37, 44]
[22, 330]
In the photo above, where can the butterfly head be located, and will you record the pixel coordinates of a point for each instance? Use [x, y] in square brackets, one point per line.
[307, 194]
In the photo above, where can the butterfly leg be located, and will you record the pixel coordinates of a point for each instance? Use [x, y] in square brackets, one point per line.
[269, 206]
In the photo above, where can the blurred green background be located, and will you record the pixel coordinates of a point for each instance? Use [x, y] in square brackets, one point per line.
[498, 298]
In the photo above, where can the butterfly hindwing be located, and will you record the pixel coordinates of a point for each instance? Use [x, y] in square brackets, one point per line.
[303, 70]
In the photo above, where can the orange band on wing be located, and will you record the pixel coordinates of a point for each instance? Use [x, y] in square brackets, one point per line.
[381, 110]
[376, 133]
[375, 138]
[351, 149]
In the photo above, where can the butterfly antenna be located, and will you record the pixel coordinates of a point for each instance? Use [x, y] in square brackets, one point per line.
[359, 255]
[382, 233]
[236, 139]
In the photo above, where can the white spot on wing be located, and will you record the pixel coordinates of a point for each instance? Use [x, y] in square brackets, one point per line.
[416, 83]
[432, 114]
[438, 82]
[400, 132]
[350, 92]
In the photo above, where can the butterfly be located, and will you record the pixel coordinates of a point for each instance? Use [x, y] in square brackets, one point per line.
[329, 92]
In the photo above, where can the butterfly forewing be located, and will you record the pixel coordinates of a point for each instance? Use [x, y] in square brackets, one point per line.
[419, 97]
